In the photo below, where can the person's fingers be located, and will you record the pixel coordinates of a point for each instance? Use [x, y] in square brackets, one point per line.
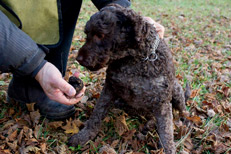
[76, 74]
[81, 93]
[58, 96]
[75, 100]
[63, 99]
[149, 20]
[65, 87]
[160, 29]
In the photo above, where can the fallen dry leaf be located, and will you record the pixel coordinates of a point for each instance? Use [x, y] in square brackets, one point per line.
[37, 130]
[121, 125]
[195, 119]
[30, 107]
[35, 116]
[13, 145]
[55, 124]
[70, 128]
[194, 93]
[31, 149]
[20, 137]
[13, 135]
[107, 149]
[188, 143]
[43, 147]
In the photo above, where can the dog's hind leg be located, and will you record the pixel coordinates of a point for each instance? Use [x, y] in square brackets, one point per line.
[179, 97]
[164, 118]
[92, 126]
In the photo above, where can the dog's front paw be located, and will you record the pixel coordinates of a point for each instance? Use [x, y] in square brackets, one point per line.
[75, 140]
[81, 138]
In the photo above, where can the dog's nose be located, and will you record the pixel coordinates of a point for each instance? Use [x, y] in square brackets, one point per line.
[79, 58]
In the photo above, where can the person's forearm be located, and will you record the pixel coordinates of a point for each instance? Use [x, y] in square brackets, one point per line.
[19, 54]
[102, 3]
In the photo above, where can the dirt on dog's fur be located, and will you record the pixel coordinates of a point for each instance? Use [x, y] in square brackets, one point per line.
[121, 39]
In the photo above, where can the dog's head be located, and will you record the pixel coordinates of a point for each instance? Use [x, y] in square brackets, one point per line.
[110, 32]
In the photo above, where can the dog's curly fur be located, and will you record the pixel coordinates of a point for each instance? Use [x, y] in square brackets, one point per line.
[121, 39]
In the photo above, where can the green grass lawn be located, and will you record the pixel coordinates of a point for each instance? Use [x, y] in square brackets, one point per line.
[199, 36]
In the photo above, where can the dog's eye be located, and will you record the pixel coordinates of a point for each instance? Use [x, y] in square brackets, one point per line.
[100, 36]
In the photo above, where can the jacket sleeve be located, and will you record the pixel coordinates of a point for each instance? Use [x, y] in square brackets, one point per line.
[19, 54]
[102, 3]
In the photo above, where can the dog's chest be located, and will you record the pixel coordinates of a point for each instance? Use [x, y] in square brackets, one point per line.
[132, 84]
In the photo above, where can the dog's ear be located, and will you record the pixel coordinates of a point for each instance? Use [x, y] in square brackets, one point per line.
[136, 22]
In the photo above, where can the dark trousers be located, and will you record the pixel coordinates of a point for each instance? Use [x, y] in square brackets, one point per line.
[59, 55]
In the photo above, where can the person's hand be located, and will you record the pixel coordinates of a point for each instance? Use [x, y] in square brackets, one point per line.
[55, 87]
[159, 28]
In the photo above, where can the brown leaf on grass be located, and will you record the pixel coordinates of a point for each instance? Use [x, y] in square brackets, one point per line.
[22, 122]
[20, 137]
[11, 111]
[195, 119]
[55, 124]
[212, 138]
[8, 124]
[226, 91]
[30, 107]
[13, 135]
[43, 147]
[198, 131]
[115, 143]
[3, 120]
[188, 143]
[6, 151]
[107, 149]
[194, 93]
[37, 131]
[107, 119]
[27, 132]
[183, 130]
[62, 137]
[35, 116]
[27, 118]
[78, 123]
[159, 151]
[129, 134]
[2, 138]
[13, 145]
[32, 142]
[135, 144]
[32, 149]
[220, 148]
[121, 125]
[61, 149]
[70, 128]
[179, 77]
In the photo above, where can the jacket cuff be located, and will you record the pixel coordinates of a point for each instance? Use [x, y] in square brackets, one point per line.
[35, 72]
[30, 66]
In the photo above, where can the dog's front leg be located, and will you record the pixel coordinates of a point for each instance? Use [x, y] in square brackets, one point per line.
[164, 117]
[92, 126]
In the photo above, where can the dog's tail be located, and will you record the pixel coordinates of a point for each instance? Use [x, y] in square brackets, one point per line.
[187, 93]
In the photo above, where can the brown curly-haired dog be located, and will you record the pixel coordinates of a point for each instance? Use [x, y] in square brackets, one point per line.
[137, 74]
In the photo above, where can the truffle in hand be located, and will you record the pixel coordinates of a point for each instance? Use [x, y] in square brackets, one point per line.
[77, 83]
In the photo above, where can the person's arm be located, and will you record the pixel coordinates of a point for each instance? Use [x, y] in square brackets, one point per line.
[20, 55]
[102, 3]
